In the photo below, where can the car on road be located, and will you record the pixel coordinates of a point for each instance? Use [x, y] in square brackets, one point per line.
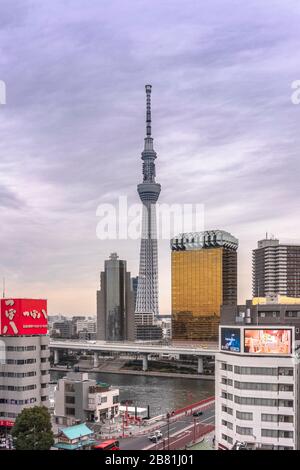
[155, 436]
[197, 413]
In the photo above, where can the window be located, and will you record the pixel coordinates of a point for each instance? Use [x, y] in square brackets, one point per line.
[277, 418]
[256, 401]
[44, 347]
[277, 433]
[44, 398]
[21, 348]
[225, 366]
[256, 370]
[69, 387]
[70, 411]
[227, 438]
[256, 386]
[227, 424]
[103, 399]
[226, 381]
[285, 371]
[244, 431]
[226, 409]
[227, 396]
[115, 399]
[70, 400]
[44, 359]
[286, 403]
[286, 387]
[244, 415]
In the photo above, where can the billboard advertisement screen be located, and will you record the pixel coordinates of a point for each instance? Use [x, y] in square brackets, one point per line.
[23, 317]
[259, 341]
[231, 339]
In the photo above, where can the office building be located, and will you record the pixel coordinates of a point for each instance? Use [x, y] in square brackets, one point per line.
[257, 388]
[79, 398]
[146, 308]
[65, 329]
[24, 364]
[276, 269]
[134, 281]
[204, 277]
[89, 326]
[115, 302]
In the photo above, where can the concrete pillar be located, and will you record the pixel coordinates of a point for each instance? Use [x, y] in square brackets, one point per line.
[200, 365]
[96, 360]
[145, 362]
[56, 356]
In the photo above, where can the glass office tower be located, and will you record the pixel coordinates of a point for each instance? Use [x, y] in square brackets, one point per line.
[204, 277]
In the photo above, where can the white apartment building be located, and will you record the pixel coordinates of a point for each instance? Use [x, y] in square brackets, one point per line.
[79, 398]
[24, 375]
[257, 388]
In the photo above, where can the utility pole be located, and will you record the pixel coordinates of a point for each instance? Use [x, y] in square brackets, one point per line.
[168, 421]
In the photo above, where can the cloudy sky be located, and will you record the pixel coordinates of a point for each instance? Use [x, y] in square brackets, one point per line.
[71, 132]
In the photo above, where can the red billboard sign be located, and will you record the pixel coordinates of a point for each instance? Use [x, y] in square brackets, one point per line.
[8, 424]
[23, 317]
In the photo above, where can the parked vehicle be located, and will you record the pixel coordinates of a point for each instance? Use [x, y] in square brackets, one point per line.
[197, 413]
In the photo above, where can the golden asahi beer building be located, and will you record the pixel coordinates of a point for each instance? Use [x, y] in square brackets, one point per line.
[204, 277]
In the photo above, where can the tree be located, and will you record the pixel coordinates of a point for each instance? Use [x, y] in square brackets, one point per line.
[33, 430]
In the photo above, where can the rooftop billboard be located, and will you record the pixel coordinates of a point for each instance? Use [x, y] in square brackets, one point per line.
[230, 339]
[23, 317]
[261, 341]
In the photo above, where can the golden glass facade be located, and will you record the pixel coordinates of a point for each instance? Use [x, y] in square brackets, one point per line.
[197, 293]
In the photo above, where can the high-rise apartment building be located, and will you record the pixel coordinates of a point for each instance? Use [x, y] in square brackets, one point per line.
[146, 308]
[276, 269]
[24, 357]
[115, 302]
[257, 388]
[204, 277]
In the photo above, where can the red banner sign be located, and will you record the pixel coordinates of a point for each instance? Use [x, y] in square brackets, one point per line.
[23, 317]
[8, 424]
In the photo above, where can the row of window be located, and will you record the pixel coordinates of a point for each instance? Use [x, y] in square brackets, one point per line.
[18, 375]
[243, 431]
[20, 361]
[246, 416]
[257, 401]
[20, 348]
[258, 386]
[12, 388]
[286, 371]
[3, 414]
[7, 401]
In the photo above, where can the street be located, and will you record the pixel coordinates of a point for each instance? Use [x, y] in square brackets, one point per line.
[180, 430]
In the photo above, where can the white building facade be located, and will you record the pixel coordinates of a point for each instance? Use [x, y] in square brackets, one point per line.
[257, 387]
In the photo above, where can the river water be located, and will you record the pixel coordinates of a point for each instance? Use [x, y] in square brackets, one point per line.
[162, 394]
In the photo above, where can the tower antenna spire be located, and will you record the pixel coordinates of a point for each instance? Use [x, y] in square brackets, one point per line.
[148, 110]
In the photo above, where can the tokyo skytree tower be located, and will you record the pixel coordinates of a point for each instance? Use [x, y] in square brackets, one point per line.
[147, 291]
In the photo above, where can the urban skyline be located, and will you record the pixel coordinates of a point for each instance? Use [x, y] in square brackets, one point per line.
[213, 129]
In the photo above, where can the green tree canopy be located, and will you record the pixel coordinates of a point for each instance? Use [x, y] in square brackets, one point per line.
[32, 429]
